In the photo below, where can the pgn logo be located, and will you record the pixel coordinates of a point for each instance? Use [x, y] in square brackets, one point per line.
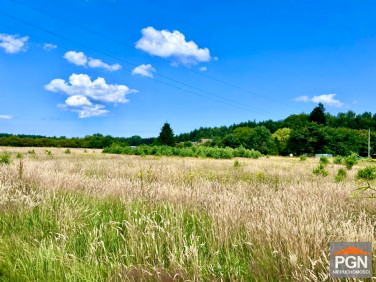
[351, 260]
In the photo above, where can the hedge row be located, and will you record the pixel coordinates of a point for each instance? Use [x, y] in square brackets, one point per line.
[201, 151]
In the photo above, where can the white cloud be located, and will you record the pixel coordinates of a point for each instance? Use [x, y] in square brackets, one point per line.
[77, 58]
[327, 99]
[302, 99]
[96, 63]
[13, 43]
[82, 91]
[80, 59]
[144, 70]
[49, 46]
[94, 111]
[97, 90]
[5, 117]
[77, 101]
[163, 43]
[203, 69]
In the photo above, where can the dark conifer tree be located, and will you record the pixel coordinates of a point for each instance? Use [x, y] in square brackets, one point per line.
[318, 114]
[166, 137]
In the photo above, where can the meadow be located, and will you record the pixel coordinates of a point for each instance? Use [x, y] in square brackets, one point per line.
[81, 215]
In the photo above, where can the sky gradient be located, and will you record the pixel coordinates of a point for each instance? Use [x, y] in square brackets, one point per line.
[76, 67]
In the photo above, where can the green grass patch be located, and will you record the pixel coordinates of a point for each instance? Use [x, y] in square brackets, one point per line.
[76, 237]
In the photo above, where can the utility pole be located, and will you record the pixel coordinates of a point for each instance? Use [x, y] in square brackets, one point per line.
[369, 142]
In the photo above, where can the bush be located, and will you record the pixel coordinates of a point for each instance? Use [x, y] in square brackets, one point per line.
[237, 163]
[19, 155]
[185, 152]
[320, 170]
[201, 151]
[252, 154]
[5, 158]
[49, 152]
[31, 152]
[226, 153]
[350, 161]
[368, 173]
[338, 160]
[341, 175]
[324, 160]
[303, 158]
[67, 151]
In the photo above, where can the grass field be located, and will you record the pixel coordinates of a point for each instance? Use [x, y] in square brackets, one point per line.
[88, 216]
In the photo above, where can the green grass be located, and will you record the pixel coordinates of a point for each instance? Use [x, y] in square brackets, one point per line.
[76, 237]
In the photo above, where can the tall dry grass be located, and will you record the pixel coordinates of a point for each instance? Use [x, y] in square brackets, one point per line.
[97, 217]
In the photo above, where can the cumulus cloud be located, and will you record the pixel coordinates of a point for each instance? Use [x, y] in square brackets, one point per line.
[80, 59]
[49, 46]
[94, 111]
[13, 43]
[144, 70]
[5, 117]
[77, 58]
[163, 43]
[82, 92]
[97, 90]
[96, 63]
[326, 99]
[77, 101]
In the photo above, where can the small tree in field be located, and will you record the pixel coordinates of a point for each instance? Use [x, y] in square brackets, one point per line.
[166, 137]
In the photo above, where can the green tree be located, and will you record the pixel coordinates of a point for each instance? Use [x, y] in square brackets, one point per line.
[318, 114]
[230, 140]
[282, 135]
[295, 121]
[260, 139]
[243, 134]
[166, 137]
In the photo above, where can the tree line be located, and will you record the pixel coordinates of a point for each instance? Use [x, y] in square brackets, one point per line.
[317, 132]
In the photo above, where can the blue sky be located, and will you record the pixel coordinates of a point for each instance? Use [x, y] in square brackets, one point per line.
[149, 62]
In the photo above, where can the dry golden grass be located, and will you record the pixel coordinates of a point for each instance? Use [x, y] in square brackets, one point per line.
[273, 209]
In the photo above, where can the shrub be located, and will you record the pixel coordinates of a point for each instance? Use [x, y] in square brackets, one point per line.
[252, 154]
[303, 158]
[350, 161]
[49, 152]
[320, 170]
[187, 144]
[368, 173]
[67, 151]
[341, 175]
[324, 160]
[237, 163]
[31, 152]
[5, 158]
[19, 155]
[337, 160]
[189, 151]
[185, 152]
[226, 153]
